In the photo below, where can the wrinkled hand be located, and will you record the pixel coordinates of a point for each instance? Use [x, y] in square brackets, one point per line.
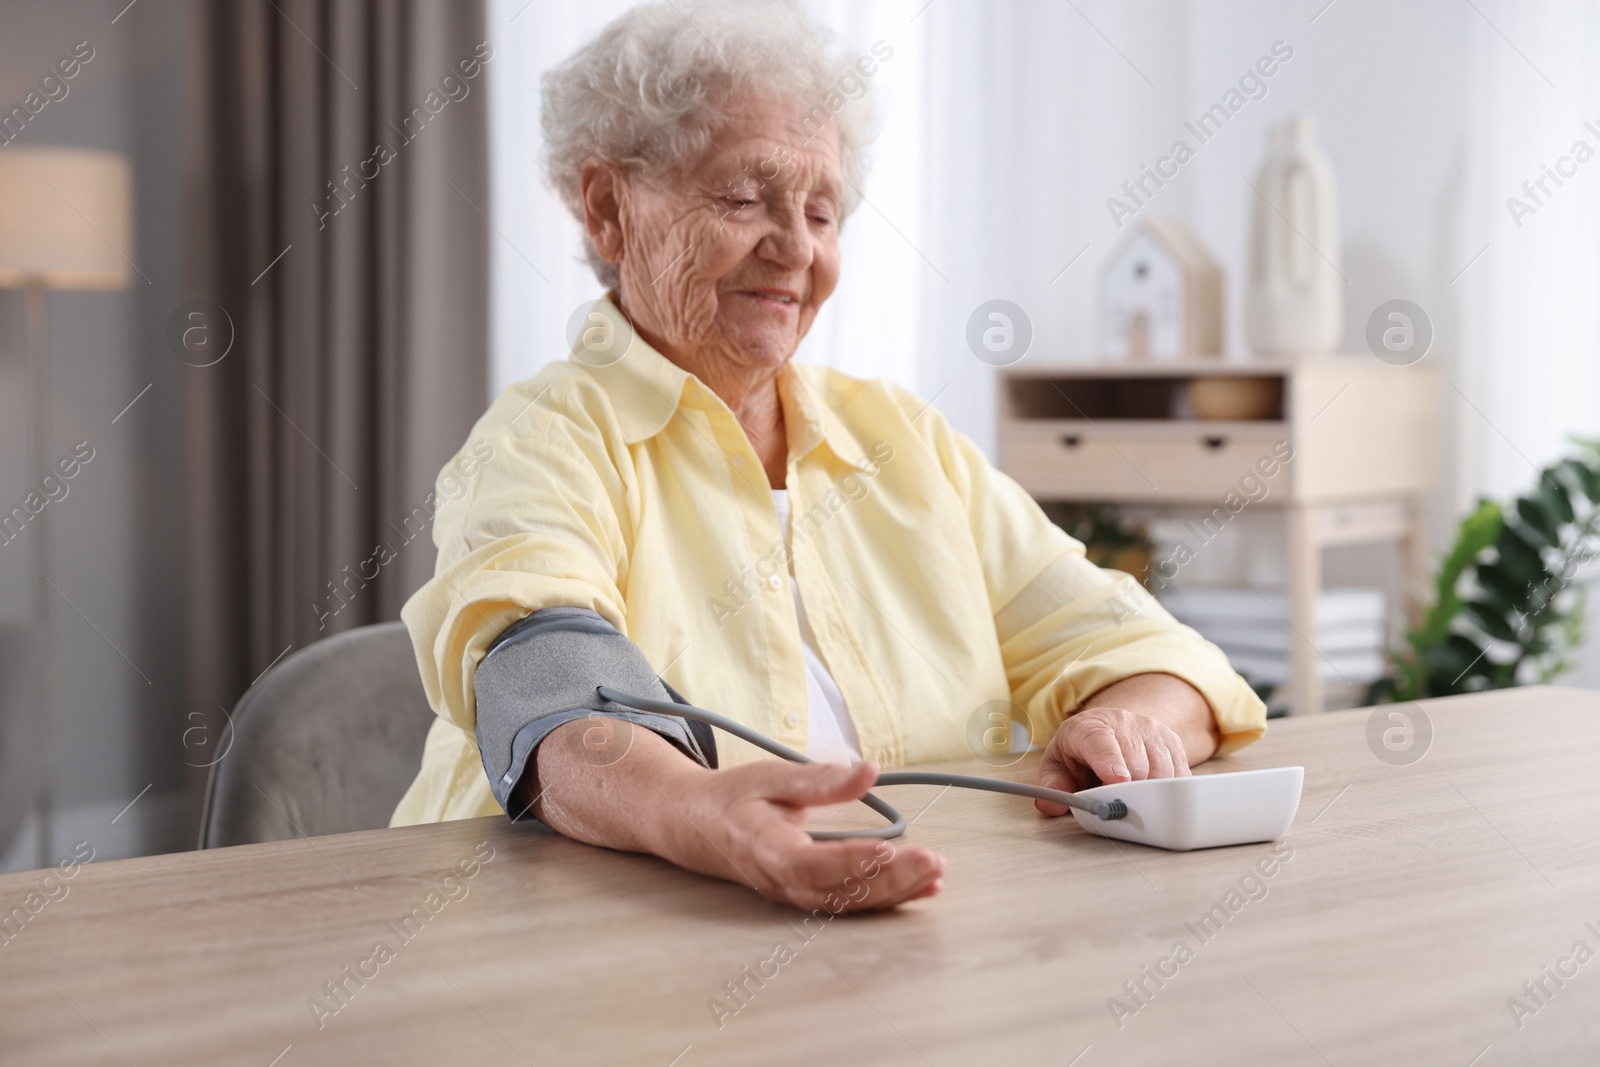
[1102, 745]
[746, 824]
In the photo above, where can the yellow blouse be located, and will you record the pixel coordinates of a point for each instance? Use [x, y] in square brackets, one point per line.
[934, 585]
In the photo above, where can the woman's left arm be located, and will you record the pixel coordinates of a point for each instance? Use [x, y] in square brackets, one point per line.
[1106, 676]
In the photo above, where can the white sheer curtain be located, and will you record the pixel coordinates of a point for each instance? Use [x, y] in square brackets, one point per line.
[538, 276]
[1529, 370]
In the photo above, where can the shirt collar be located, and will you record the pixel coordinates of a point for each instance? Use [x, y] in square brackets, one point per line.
[813, 419]
[644, 386]
[647, 389]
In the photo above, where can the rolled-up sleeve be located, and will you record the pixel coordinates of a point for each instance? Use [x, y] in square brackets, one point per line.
[541, 522]
[1068, 628]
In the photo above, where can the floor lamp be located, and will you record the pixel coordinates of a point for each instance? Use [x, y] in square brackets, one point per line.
[66, 223]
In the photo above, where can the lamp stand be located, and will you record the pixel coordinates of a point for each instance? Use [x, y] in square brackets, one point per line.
[44, 663]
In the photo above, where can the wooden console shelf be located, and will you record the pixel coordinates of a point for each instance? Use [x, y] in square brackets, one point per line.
[1364, 436]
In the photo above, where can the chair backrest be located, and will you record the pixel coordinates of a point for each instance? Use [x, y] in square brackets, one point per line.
[326, 743]
[22, 732]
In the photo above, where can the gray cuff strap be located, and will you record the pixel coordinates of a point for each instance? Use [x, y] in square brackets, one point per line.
[541, 674]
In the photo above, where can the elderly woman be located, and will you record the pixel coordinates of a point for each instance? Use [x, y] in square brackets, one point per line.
[680, 509]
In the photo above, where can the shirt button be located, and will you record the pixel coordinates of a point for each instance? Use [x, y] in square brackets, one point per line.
[792, 719]
[774, 582]
[738, 461]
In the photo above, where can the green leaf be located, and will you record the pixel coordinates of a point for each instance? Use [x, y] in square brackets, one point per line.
[1591, 443]
[1512, 594]
[1538, 646]
[1476, 532]
[1583, 475]
[1589, 478]
[1549, 672]
[1541, 597]
[1489, 620]
[1452, 661]
[1466, 648]
[1538, 521]
[1496, 579]
[1518, 558]
[1555, 499]
[1498, 603]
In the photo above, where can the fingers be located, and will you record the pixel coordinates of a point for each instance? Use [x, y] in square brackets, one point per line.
[1158, 758]
[1148, 747]
[1176, 752]
[1164, 753]
[906, 874]
[763, 841]
[1106, 745]
[1056, 773]
[857, 875]
[793, 859]
[1096, 744]
[815, 784]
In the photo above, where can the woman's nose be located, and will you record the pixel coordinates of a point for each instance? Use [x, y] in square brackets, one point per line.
[789, 243]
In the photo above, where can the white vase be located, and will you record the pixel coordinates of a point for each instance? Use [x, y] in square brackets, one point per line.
[1294, 302]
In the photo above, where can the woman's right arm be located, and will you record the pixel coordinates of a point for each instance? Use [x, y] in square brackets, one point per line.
[744, 824]
[512, 639]
[611, 775]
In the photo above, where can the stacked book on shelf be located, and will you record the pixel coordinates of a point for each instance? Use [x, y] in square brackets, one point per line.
[1252, 627]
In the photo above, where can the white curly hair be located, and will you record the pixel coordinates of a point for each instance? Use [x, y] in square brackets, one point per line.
[648, 92]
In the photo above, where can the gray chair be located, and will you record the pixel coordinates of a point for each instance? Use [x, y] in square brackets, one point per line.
[22, 727]
[326, 743]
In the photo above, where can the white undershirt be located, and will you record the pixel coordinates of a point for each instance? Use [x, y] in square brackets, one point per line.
[830, 735]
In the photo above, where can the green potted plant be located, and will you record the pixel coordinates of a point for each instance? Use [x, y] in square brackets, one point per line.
[1505, 610]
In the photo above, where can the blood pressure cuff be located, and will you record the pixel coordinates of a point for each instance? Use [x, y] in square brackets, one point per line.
[541, 674]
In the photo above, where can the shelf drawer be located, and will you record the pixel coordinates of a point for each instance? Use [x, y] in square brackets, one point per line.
[1188, 462]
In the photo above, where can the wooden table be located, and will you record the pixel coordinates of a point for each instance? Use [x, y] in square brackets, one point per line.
[1418, 899]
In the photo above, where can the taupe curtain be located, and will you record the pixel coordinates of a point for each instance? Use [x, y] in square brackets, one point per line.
[341, 181]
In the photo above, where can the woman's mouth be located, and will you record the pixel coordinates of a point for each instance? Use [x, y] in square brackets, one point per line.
[772, 297]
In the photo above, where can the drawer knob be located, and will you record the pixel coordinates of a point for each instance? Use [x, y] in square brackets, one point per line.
[1215, 442]
[1070, 440]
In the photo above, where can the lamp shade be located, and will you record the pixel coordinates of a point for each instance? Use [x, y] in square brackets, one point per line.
[66, 218]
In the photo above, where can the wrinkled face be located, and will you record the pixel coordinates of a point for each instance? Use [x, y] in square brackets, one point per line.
[736, 255]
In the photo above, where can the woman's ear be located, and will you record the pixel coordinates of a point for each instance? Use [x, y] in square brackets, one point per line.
[602, 209]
